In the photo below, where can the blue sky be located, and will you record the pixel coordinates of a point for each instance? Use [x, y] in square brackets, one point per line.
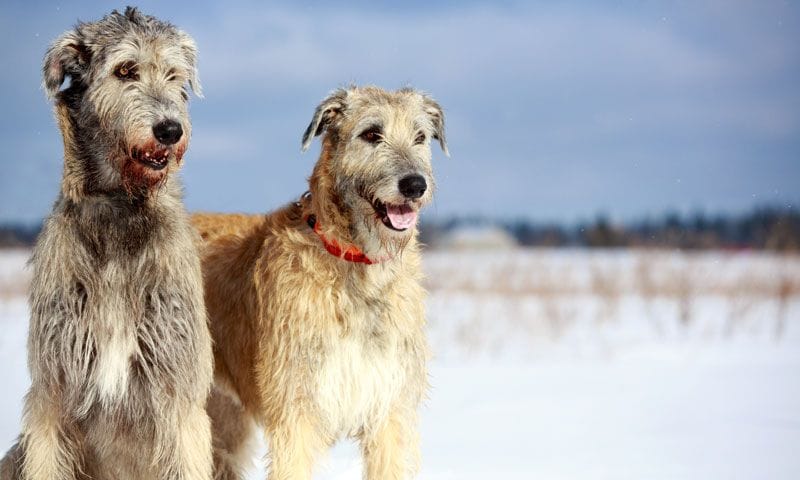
[555, 111]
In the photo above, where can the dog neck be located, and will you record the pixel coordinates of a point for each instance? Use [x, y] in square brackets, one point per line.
[350, 254]
[320, 222]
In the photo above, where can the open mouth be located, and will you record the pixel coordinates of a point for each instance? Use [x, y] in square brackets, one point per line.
[152, 159]
[396, 217]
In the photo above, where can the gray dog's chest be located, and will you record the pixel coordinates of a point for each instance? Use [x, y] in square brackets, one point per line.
[121, 329]
[135, 332]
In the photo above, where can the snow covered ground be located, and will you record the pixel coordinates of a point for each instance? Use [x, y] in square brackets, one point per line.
[569, 364]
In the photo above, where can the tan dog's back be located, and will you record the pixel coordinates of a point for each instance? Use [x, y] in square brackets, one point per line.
[212, 226]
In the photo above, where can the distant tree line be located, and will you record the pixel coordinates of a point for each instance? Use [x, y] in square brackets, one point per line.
[15, 235]
[765, 228]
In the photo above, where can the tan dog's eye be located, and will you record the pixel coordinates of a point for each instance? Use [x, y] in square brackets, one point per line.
[126, 71]
[420, 139]
[371, 135]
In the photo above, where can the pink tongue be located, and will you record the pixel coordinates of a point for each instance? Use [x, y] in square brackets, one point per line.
[401, 216]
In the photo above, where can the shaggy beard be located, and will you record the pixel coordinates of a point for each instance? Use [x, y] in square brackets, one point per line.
[138, 180]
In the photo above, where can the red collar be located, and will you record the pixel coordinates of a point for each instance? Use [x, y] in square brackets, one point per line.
[352, 254]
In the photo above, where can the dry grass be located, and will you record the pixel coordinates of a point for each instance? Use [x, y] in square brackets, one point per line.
[649, 274]
[666, 290]
[545, 294]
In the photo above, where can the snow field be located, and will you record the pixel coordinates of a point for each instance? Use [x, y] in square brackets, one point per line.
[571, 364]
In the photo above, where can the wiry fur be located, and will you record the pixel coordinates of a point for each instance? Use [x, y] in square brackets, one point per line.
[310, 346]
[119, 351]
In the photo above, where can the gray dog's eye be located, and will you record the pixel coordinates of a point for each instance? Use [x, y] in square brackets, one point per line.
[127, 71]
[371, 135]
[420, 139]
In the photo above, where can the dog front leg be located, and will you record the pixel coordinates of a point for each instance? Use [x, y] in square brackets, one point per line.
[48, 450]
[391, 452]
[193, 445]
[233, 432]
[294, 445]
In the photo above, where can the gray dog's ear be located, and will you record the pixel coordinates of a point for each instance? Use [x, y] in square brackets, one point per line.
[436, 114]
[67, 56]
[189, 49]
[324, 115]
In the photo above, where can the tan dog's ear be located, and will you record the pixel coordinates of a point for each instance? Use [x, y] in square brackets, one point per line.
[67, 56]
[436, 114]
[324, 115]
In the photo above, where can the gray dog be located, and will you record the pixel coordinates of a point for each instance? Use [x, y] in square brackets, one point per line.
[118, 350]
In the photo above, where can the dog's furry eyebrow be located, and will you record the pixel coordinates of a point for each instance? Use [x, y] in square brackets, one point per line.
[368, 122]
[374, 126]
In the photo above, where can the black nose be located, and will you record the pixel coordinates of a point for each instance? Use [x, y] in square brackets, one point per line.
[412, 186]
[167, 131]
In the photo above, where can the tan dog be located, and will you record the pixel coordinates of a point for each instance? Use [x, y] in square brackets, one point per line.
[317, 309]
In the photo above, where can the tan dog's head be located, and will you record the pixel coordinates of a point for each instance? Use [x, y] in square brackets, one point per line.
[374, 172]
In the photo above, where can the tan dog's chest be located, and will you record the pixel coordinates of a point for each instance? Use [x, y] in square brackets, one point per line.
[361, 373]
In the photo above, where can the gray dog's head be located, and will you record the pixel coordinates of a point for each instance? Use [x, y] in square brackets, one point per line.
[375, 166]
[127, 96]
